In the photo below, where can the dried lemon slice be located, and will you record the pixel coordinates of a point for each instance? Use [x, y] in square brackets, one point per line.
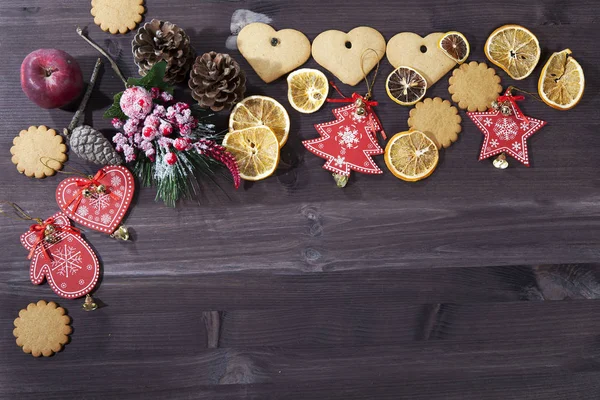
[562, 81]
[406, 86]
[456, 46]
[514, 49]
[256, 111]
[411, 156]
[256, 151]
[307, 90]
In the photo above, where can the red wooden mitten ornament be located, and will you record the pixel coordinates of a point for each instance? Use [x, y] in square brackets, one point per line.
[506, 129]
[348, 142]
[59, 254]
[99, 202]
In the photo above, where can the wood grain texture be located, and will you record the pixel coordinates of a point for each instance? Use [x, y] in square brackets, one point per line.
[473, 284]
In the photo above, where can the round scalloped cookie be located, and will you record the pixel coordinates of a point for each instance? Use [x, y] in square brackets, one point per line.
[42, 329]
[117, 16]
[474, 86]
[438, 119]
[33, 145]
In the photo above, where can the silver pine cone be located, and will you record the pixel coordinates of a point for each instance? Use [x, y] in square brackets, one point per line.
[91, 145]
[159, 40]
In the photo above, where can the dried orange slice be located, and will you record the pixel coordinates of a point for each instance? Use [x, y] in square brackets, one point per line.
[307, 90]
[256, 151]
[456, 46]
[256, 111]
[411, 156]
[562, 81]
[514, 49]
[406, 86]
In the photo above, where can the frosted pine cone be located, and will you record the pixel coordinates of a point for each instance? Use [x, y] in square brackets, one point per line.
[92, 146]
[161, 40]
[217, 81]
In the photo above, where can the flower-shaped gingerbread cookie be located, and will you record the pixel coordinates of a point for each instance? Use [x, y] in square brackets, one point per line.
[474, 86]
[437, 119]
[117, 16]
[42, 329]
[38, 152]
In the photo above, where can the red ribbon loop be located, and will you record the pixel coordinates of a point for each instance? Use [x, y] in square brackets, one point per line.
[369, 104]
[513, 100]
[86, 184]
[40, 231]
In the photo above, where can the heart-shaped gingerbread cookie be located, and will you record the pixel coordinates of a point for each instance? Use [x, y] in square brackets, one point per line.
[342, 53]
[272, 53]
[423, 54]
[101, 211]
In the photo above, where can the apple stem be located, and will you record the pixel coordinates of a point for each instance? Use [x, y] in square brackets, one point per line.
[84, 101]
[113, 64]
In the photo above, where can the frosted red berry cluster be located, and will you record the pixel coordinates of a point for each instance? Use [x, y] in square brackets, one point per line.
[159, 128]
[153, 124]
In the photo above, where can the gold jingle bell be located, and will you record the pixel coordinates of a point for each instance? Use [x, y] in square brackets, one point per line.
[500, 162]
[505, 110]
[122, 233]
[360, 107]
[87, 193]
[50, 238]
[495, 105]
[340, 180]
[101, 189]
[50, 229]
[89, 304]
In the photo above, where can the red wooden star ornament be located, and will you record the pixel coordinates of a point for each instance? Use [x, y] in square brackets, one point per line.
[505, 128]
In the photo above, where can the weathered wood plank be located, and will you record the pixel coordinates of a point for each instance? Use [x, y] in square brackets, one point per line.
[290, 288]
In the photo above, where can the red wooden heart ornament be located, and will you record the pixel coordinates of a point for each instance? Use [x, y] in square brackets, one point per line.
[101, 211]
[68, 263]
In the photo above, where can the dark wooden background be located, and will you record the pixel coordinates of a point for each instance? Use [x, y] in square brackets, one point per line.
[473, 284]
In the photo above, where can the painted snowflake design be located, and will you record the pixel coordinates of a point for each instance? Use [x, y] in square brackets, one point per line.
[99, 201]
[106, 218]
[82, 211]
[524, 125]
[516, 146]
[339, 161]
[487, 122]
[81, 282]
[494, 143]
[67, 261]
[63, 285]
[115, 180]
[348, 137]
[89, 267]
[118, 193]
[506, 129]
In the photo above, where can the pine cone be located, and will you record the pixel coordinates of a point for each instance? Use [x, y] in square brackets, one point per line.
[217, 81]
[161, 40]
[92, 146]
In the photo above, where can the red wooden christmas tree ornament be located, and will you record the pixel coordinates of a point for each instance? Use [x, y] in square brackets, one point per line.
[505, 128]
[349, 142]
[60, 255]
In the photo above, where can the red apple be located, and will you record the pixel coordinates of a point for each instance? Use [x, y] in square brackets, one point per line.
[51, 78]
